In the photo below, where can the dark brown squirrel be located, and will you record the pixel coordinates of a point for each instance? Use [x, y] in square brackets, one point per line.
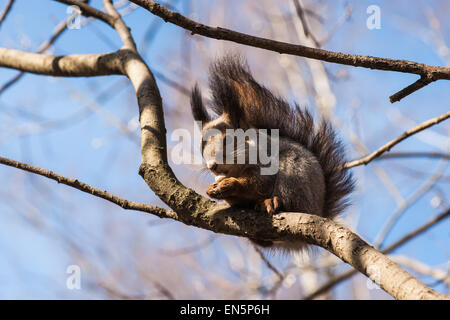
[309, 178]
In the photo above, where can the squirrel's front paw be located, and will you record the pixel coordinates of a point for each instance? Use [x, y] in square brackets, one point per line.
[271, 205]
[223, 188]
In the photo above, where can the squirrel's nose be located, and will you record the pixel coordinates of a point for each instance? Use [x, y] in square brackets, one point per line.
[212, 165]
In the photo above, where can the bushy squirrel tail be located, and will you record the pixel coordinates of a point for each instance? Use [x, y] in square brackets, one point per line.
[250, 105]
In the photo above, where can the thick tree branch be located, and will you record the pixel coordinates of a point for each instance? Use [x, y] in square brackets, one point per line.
[80, 65]
[424, 125]
[431, 73]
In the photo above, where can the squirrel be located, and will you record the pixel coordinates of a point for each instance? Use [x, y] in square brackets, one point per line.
[309, 178]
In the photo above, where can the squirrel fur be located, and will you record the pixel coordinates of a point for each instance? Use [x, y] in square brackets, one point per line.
[310, 177]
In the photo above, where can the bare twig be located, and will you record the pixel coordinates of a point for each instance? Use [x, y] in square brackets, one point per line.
[90, 11]
[190, 249]
[268, 263]
[414, 154]
[6, 11]
[164, 291]
[172, 83]
[419, 84]
[74, 183]
[116, 294]
[424, 125]
[119, 25]
[280, 276]
[301, 15]
[345, 17]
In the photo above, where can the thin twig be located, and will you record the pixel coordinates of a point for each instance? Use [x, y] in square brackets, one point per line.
[6, 11]
[190, 249]
[414, 154]
[301, 15]
[268, 263]
[123, 31]
[74, 183]
[345, 17]
[424, 125]
[90, 11]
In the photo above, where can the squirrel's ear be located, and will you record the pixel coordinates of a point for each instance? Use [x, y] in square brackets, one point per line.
[198, 109]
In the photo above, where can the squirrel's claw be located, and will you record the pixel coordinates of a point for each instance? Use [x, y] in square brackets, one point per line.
[271, 205]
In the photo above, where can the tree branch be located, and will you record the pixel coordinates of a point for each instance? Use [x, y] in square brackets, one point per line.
[90, 11]
[414, 154]
[74, 183]
[119, 25]
[432, 73]
[424, 125]
[6, 11]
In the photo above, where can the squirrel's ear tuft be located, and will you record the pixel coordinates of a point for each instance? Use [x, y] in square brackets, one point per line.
[198, 109]
[228, 79]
